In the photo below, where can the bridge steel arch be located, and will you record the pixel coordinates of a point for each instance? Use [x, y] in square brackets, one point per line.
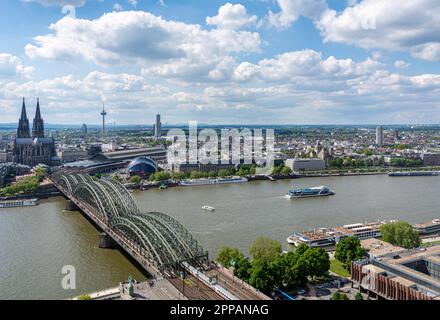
[161, 239]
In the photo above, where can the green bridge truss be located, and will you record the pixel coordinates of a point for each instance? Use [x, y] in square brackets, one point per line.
[160, 238]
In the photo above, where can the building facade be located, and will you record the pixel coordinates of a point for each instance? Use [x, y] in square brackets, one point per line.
[379, 136]
[402, 275]
[158, 127]
[431, 159]
[300, 164]
[34, 149]
[72, 154]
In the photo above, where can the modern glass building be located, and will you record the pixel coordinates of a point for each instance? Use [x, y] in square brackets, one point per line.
[142, 166]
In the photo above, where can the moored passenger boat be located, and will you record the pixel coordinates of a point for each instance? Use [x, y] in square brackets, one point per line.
[413, 173]
[325, 237]
[18, 203]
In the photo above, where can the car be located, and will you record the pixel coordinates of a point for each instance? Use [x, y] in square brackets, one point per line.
[301, 292]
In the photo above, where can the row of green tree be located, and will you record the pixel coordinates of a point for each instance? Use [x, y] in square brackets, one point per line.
[282, 170]
[27, 185]
[349, 162]
[244, 170]
[404, 162]
[342, 296]
[269, 268]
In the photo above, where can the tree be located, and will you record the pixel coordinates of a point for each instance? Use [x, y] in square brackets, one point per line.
[348, 161]
[223, 173]
[136, 179]
[265, 250]
[286, 171]
[27, 185]
[359, 296]
[339, 296]
[179, 175]
[336, 163]
[400, 234]
[349, 249]
[196, 175]
[316, 262]
[228, 256]
[301, 249]
[85, 297]
[40, 172]
[261, 277]
[289, 271]
[160, 176]
[243, 268]
[212, 174]
[277, 170]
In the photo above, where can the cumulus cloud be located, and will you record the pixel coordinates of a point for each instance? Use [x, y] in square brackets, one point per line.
[402, 64]
[136, 36]
[306, 63]
[232, 16]
[412, 26]
[12, 67]
[291, 10]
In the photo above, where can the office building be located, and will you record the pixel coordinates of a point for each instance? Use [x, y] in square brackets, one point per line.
[300, 164]
[379, 136]
[399, 274]
[158, 127]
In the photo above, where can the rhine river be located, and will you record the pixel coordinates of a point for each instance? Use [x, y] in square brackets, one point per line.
[36, 242]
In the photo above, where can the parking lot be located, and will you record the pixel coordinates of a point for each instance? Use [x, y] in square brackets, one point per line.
[325, 291]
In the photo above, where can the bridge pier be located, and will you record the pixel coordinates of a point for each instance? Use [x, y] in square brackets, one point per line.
[71, 206]
[106, 242]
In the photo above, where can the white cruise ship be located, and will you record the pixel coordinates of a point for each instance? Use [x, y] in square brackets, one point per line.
[204, 182]
[324, 237]
[18, 203]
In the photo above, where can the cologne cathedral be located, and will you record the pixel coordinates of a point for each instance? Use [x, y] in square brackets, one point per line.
[33, 149]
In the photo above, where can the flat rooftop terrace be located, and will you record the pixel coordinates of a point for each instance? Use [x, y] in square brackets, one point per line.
[418, 266]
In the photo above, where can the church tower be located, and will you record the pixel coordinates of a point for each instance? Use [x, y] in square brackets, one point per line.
[38, 128]
[23, 124]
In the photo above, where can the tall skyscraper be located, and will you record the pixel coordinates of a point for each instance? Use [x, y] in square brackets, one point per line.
[379, 136]
[103, 114]
[84, 129]
[158, 127]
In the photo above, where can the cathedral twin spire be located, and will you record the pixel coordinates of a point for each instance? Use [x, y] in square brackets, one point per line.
[23, 125]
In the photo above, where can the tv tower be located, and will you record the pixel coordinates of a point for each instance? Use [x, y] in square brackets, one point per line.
[103, 114]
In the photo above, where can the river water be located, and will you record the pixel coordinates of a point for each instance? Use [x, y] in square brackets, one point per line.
[36, 242]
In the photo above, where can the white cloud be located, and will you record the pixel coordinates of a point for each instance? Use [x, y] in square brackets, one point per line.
[306, 63]
[133, 2]
[401, 64]
[139, 37]
[427, 51]
[395, 25]
[291, 10]
[12, 67]
[60, 3]
[117, 7]
[232, 16]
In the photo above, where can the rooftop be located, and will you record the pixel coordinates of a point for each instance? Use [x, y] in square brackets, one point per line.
[379, 248]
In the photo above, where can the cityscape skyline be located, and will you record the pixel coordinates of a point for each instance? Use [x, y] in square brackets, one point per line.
[287, 62]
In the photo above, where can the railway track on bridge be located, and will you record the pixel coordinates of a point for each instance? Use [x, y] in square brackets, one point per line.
[157, 242]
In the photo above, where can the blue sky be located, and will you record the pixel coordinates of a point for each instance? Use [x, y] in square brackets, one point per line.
[249, 61]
